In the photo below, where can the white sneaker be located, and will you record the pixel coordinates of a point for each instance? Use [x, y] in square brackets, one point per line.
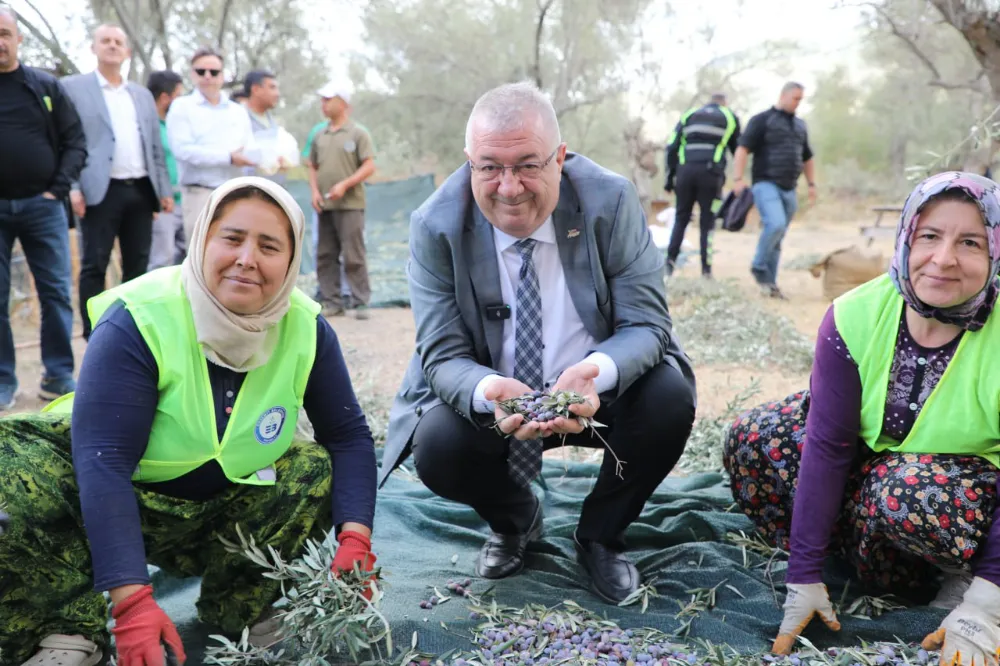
[954, 583]
[66, 651]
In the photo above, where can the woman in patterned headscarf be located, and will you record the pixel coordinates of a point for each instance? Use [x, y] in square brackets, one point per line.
[899, 474]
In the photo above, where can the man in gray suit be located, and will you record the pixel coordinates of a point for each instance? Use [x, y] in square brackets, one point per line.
[125, 183]
[533, 269]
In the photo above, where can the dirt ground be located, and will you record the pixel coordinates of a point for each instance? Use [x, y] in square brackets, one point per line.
[378, 350]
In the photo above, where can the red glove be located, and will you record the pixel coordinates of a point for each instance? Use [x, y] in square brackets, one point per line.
[141, 628]
[354, 547]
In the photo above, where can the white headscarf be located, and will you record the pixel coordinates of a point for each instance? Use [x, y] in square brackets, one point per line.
[235, 341]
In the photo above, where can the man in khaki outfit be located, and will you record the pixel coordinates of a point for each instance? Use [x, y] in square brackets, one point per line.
[341, 159]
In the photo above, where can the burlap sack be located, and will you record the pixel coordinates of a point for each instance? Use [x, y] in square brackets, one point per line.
[848, 267]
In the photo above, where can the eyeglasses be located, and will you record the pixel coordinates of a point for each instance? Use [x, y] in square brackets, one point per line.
[524, 171]
[202, 71]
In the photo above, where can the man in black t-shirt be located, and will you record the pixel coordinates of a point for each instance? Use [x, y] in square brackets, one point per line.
[40, 129]
[780, 145]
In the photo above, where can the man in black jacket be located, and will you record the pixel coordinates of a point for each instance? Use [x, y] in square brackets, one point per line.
[696, 156]
[780, 145]
[40, 126]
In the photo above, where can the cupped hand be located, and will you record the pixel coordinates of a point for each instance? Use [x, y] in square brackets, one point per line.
[506, 388]
[579, 379]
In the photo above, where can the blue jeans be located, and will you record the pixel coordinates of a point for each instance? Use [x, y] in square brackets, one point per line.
[41, 226]
[777, 207]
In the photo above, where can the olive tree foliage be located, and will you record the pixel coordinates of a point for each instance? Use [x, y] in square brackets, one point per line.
[252, 35]
[948, 53]
[163, 34]
[723, 70]
[425, 62]
[45, 45]
[907, 112]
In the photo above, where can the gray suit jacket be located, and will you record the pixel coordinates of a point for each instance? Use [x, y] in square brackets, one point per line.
[613, 270]
[85, 91]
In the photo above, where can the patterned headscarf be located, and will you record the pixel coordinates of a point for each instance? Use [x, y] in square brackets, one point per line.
[973, 313]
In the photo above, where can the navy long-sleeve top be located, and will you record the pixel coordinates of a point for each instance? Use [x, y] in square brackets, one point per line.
[113, 412]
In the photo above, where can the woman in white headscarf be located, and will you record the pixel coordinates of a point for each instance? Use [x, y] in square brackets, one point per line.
[182, 427]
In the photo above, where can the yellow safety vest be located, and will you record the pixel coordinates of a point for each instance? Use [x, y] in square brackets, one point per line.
[962, 414]
[184, 434]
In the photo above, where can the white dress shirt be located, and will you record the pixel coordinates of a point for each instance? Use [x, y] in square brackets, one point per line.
[128, 160]
[565, 340]
[203, 135]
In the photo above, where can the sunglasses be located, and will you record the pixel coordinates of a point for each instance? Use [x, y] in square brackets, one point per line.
[202, 71]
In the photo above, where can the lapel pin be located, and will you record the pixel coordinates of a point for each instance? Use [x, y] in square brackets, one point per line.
[572, 233]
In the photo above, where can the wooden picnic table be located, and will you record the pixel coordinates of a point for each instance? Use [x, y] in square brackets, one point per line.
[871, 232]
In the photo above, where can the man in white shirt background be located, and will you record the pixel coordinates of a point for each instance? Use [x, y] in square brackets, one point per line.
[125, 182]
[210, 136]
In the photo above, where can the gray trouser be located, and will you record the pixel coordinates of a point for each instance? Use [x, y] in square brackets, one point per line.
[169, 242]
[342, 243]
[193, 200]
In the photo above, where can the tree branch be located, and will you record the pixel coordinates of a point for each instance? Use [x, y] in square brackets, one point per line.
[161, 25]
[65, 63]
[223, 20]
[133, 37]
[590, 101]
[48, 26]
[974, 85]
[956, 14]
[908, 40]
[948, 10]
[543, 9]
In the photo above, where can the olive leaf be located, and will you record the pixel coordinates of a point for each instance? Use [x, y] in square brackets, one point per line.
[324, 619]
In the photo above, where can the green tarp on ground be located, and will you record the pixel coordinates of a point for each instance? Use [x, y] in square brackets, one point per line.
[679, 539]
[387, 232]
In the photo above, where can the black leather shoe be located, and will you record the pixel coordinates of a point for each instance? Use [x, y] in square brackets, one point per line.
[503, 554]
[612, 576]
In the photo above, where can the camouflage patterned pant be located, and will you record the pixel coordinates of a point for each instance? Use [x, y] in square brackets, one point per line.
[45, 570]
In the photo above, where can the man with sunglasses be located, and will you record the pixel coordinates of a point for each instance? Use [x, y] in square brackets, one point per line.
[532, 269]
[210, 136]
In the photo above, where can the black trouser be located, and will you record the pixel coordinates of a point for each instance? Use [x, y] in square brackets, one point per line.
[701, 183]
[648, 427]
[126, 213]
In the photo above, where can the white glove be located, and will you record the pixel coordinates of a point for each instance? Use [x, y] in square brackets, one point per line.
[802, 603]
[970, 635]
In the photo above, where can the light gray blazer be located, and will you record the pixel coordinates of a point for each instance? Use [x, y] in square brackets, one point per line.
[613, 270]
[85, 91]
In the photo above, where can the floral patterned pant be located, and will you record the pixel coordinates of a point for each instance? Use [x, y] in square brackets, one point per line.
[904, 516]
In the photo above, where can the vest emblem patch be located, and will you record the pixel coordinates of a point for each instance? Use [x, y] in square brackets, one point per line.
[269, 425]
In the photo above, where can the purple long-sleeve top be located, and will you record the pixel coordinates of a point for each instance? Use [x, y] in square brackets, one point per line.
[833, 426]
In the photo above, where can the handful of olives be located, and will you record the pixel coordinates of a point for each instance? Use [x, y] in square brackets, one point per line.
[542, 407]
